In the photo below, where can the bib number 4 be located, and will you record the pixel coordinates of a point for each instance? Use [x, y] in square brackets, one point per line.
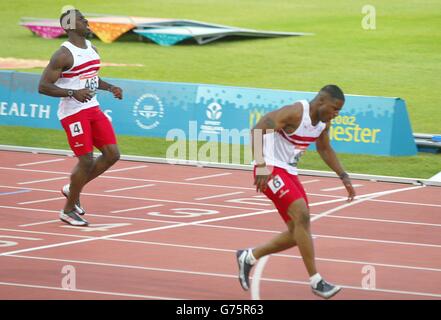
[75, 129]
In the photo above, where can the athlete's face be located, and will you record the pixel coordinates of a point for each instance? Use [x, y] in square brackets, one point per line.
[82, 25]
[330, 108]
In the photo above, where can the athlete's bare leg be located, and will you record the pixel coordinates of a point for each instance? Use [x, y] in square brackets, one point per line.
[78, 178]
[110, 155]
[281, 242]
[88, 169]
[299, 213]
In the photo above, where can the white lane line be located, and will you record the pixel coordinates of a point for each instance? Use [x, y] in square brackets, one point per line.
[330, 236]
[257, 276]
[93, 227]
[9, 243]
[131, 188]
[364, 263]
[183, 224]
[238, 228]
[363, 198]
[408, 203]
[221, 275]
[126, 169]
[181, 183]
[138, 208]
[247, 229]
[254, 200]
[14, 192]
[202, 185]
[220, 195]
[42, 180]
[178, 245]
[48, 233]
[104, 176]
[413, 293]
[323, 195]
[255, 290]
[42, 200]
[209, 176]
[21, 238]
[24, 285]
[145, 199]
[38, 223]
[315, 204]
[98, 215]
[34, 170]
[280, 255]
[384, 221]
[38, 162]
[28, 209]
[310, 181]
[340, 188]
[428, 245]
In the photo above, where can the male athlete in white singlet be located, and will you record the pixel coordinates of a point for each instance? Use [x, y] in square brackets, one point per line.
[284, 135]
[72, 75]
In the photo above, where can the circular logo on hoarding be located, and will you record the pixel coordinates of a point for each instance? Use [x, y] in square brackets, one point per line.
[214, 111]
[148, 111]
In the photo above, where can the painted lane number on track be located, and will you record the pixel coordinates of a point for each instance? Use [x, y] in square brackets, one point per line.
[8, 243]
[98, 227]
[184, 213]
[254, 200]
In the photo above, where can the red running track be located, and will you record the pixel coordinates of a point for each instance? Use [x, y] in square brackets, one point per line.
[162, 231]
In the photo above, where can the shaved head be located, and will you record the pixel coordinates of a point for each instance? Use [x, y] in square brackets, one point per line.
[333, 91]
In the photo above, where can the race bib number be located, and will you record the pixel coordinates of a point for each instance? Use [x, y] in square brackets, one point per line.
[75, 129]
[296, 158]
[276, 184]
[90, 82]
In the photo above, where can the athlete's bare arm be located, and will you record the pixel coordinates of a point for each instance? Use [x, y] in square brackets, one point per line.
[287, 118]
[62, 60]
[117, 91]
[328, 155]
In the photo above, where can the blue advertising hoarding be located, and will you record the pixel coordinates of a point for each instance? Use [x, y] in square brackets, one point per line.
[366, 125]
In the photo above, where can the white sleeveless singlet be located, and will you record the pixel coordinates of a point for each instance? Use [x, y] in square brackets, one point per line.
[82, 74]
[284, 150]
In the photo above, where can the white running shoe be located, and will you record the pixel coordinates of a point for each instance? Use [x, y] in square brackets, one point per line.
[325, 290]
[244, 268]
[72, 218]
